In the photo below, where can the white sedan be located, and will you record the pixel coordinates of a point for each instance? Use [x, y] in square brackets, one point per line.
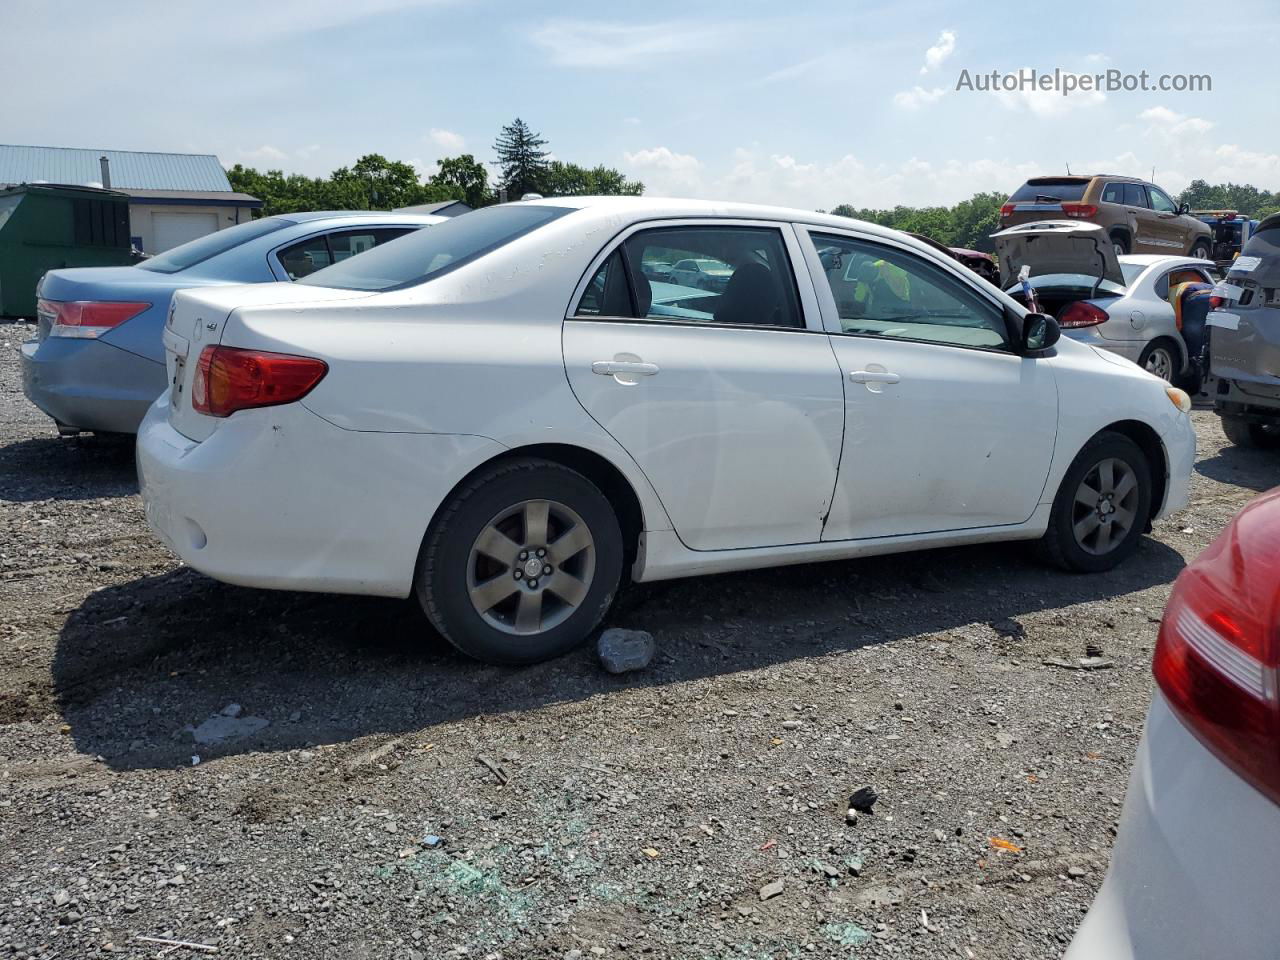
[1196, 864]
[1119, 303]
[499, 416]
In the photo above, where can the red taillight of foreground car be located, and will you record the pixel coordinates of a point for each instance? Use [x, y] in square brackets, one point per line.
[1081, 210]
[228, 379]
[86, 319]
[1219, 648]
[1006, 209]
[1081, 314]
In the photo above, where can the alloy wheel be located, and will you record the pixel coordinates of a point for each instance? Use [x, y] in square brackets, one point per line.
[530, 567]
[1106, 506]
[1160, 362]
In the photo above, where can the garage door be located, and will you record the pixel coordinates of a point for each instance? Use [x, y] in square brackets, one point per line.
[172, 229]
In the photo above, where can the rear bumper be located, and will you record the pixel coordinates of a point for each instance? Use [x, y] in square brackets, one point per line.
[1196, 862]
[1255, 399]
[281, 498]
[1129, 349]
[90, 384]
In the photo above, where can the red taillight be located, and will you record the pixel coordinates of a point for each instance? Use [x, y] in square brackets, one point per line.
[1219, 648]
[1081, 314]
[1006, 209]
[228, 379]
[86, 318]
[1216, 302]
[1082, 210]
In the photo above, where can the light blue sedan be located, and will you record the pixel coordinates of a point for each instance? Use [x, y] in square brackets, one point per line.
[97, 362]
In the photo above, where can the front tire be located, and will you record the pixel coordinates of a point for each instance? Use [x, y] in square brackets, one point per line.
[1102, 506]
[1250, 434]
[522, 563]
[1200, 250]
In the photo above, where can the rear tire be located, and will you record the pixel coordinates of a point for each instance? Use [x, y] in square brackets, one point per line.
[1200, 250]
[522, 564]
[1250, 434]
[1102, 506]
[1121, 243]
[1161, 358]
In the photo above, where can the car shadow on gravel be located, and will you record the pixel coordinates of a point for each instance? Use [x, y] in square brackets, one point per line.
[1240, 467]
[68, 468]
[139, 665]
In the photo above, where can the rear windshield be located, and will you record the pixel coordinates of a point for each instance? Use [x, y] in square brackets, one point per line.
[212, 244]
[1051, 191]
[427, 254]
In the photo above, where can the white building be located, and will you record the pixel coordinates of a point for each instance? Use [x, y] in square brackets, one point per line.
[173, 197]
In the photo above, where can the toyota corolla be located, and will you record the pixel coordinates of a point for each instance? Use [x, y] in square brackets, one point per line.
[499, 416]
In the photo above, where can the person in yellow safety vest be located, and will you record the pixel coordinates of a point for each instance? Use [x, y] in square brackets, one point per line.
[878, 278]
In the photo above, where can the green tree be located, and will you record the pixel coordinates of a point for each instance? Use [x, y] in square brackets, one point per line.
[570, 180]
[521, 159]
[1243, 197]
[462, 178]
[376, 183]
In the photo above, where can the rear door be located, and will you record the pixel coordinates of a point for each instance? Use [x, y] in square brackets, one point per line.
[947, 428]
[1145, 233]
[730, 402]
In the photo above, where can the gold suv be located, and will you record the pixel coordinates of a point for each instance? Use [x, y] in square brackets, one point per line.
[1138, 216]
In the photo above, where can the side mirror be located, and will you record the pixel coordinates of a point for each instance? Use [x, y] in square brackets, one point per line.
[1184, 209]
[1039, 332]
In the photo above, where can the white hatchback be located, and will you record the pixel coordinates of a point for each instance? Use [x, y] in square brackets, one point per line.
[499, 416]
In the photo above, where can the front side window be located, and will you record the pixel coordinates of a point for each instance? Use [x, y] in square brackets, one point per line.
[881, 291]
[729, 275]
[433, 252]
[1135, 195]
[1160, 201]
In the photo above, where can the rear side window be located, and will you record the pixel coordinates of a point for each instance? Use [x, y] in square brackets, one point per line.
[725, 275]
[1049, 191]
[1135, 195]
[315, 253]
[427, 254]
[210, 245]
[1113, 193]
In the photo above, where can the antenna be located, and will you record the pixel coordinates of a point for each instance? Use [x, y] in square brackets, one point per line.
[1153, 173]
[1068, 169]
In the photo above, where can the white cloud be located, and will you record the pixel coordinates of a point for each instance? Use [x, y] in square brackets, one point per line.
[1168, 122]
[666, 172]
[936, 55]
[446, 139]
[263, 154]
[917, 97]
[591, 43]
[1048, 103]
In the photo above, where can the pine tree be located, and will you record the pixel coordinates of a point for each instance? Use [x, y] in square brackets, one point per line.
[520, 158]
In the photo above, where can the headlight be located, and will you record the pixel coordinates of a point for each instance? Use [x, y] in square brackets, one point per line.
[1179, 398]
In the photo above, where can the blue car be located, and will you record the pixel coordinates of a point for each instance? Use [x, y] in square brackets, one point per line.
[97, 362]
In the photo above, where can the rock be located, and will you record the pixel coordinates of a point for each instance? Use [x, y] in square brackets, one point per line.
[1092, 650]
[863, 799]
[792, 724]
[1095, 663]
[621, 650]
[853, 865]
[1004, 738]
[61, 898]
[221, 727]
[1077, 872]
[939, 836]
[771, 890]
[232, 710]
[827, 870]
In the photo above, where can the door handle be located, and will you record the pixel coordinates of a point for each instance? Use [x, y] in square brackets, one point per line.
[873, 376]
[624, 368]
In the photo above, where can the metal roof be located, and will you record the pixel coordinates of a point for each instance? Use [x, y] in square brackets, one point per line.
[129, 168]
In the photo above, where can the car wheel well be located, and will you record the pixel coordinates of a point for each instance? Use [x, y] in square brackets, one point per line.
[1123, 233]
[1149, 442]
[616, 488]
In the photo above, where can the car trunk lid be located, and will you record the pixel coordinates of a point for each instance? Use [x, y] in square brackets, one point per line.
[1057, 247]
[197, 319]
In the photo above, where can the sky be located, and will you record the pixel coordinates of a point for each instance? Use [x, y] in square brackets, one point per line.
[807, 104]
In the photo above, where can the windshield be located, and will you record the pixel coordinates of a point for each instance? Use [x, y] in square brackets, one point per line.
[212, 244]
[427, 254]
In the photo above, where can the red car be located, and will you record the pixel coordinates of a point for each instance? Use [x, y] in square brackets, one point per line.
[983, 264]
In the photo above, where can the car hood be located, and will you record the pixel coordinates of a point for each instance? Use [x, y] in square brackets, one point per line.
[1057, 246]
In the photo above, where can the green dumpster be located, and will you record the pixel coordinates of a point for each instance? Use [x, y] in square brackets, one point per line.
[47, 226]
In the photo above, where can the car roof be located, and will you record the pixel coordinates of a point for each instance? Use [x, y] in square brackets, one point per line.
[306, 216]
[654, 208]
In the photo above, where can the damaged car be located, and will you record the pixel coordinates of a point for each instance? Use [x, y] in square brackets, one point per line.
[1124, 304]
[1244, 341]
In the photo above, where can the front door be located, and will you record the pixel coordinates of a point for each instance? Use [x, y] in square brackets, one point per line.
[946, 427]
[731, 402]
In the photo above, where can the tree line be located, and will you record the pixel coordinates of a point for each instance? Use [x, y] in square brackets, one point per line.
[971, 222]
[375, 183]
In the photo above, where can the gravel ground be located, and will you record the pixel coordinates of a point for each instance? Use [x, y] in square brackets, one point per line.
[577, 813]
